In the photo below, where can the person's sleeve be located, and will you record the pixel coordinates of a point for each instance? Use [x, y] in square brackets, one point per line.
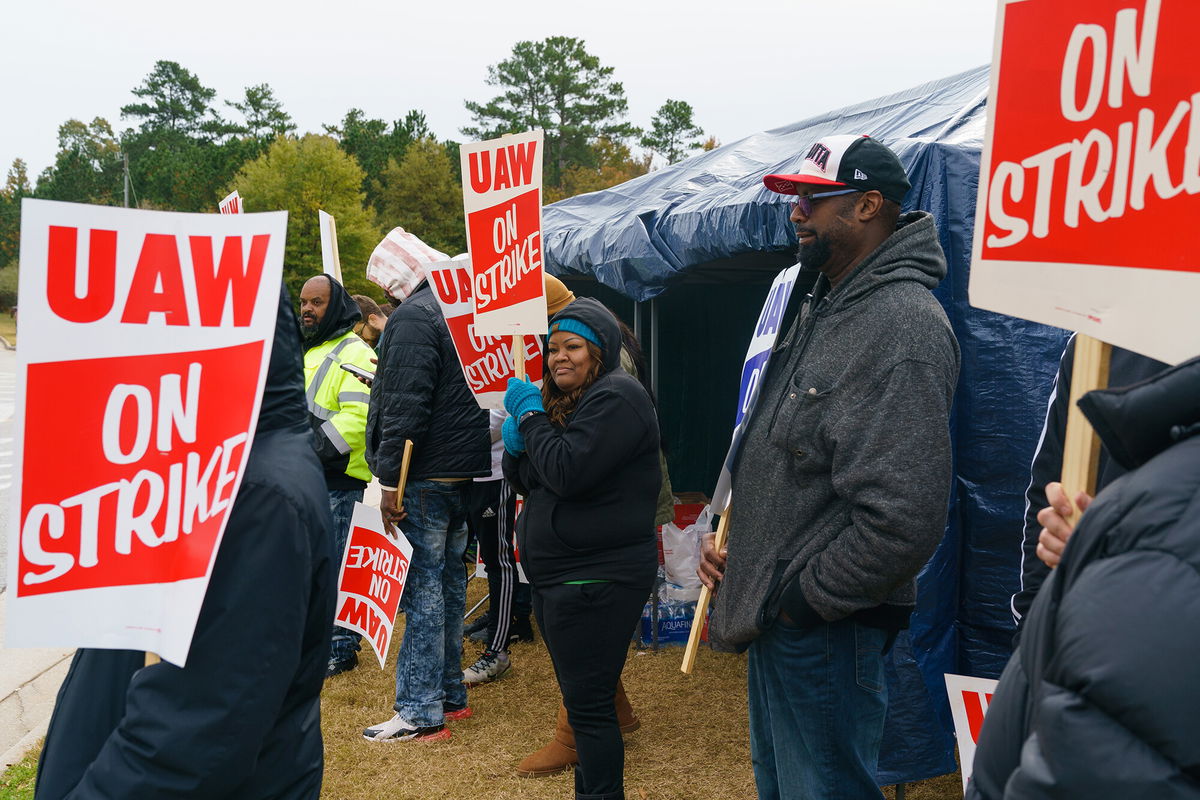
[603, 433]
[341, 439]
[1045, 468]
[406, 397]
[196, 731]
[511, 466]
[1117, 713]
[892, 463]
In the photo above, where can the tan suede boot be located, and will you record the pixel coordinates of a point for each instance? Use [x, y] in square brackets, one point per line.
[626, 719]
[555, 757]
[560, 753]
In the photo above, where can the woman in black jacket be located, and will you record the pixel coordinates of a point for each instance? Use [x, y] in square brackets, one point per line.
[584, 453]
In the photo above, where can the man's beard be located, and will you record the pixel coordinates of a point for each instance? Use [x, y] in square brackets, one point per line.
[309, 324]
[815, 254]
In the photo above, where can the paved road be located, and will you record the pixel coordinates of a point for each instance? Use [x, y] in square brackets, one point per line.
[8, 391]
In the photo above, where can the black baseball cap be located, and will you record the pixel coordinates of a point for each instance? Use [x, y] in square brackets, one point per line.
[850, 160]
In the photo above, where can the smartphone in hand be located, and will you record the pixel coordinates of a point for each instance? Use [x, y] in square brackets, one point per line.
[366, 376]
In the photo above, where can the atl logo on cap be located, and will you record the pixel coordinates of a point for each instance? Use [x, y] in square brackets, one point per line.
[819, 155]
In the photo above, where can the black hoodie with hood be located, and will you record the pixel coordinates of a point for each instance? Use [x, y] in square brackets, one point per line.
[243, 718]
[341, 315]
[591, 487]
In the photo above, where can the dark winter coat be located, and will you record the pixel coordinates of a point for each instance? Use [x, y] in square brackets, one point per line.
[420, 394]
[841, 486]
[591, 487]
[243, 718]
[1125, 368]
[1100, 698]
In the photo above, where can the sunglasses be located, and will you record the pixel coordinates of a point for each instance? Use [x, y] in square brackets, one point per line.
[805, 201]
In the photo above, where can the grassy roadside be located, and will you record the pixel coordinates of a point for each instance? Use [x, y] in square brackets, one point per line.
[16, 782]
[8, 328]
[694, 740]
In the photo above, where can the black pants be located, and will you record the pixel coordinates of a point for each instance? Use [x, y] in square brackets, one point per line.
[491, 509]
[587, 629]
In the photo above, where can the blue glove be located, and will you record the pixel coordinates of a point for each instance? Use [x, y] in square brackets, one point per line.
[521, 398]
[514, 442]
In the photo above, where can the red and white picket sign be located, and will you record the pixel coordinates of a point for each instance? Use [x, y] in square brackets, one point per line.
[371, 580]
[232, 204]
[969, 701]
[1090, 176]
[486, 361]
[145, 339]
[502, 198]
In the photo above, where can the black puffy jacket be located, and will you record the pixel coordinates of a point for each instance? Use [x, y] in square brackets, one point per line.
[243, 718]
[1100, 700]
[420, 394]
[591, 487]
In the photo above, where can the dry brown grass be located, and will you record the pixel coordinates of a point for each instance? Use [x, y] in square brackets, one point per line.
[693, 744]
[694, 740]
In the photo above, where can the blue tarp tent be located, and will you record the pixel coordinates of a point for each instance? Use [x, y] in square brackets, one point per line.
[700, 240]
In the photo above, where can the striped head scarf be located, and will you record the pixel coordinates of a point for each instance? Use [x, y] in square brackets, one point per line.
[398, 263]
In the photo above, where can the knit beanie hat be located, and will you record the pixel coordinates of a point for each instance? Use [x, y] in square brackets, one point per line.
[558, 296]
[578, 328]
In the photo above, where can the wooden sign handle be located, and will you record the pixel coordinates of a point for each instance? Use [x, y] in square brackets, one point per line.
[1081, 446]
[404, 462]
[151, 659]
[693, 645]
[518, 348]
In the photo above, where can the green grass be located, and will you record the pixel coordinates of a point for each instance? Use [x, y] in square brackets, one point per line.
[16, 782]
[8, 328]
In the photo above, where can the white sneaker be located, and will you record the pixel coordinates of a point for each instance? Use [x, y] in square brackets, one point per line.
[397, 729]
[490, 666]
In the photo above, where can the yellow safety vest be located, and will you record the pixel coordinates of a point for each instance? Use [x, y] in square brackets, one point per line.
[340, 401]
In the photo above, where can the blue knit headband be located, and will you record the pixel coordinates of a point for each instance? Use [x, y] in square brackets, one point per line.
[571, 325]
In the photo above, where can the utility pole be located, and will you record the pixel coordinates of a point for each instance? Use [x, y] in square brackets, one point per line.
[125, 156]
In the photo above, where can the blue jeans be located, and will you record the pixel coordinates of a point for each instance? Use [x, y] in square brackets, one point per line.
[429, 667]
[343, 644]
[817, 702]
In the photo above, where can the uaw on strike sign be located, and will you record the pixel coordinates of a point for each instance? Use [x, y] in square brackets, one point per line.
[145, 339]
[766, 331]
[1090, 178]
[969, 701]
[502, 198]
[487, 361]
[371, 581]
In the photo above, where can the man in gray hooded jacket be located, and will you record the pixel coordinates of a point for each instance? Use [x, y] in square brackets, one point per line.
[840, 490]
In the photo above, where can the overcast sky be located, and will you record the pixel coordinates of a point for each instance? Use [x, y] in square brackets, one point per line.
[744, 65]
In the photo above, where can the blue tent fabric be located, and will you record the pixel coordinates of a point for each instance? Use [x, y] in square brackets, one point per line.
[639, 236]
[644, 236]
